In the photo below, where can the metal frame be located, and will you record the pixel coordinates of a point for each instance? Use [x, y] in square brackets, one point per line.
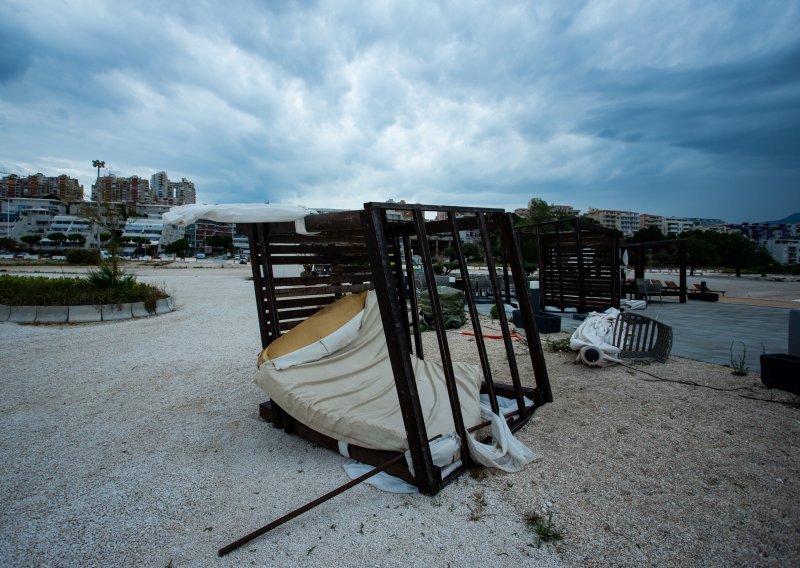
[373, 249]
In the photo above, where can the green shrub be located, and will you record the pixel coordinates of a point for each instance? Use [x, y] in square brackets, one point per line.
[42, 291]
[83, 256]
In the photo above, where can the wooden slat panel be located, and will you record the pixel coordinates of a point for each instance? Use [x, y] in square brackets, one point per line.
[354, 277]
[319, 290]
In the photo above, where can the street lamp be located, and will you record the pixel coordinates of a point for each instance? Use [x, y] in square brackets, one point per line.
[98, 164]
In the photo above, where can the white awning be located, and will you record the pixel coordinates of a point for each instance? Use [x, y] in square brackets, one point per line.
[184, 215]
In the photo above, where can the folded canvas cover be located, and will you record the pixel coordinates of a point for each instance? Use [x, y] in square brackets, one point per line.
[351, 395]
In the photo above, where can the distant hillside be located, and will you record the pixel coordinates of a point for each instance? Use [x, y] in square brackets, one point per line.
[793, 218]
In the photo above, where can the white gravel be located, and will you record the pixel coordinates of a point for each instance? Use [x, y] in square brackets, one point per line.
[139, 443]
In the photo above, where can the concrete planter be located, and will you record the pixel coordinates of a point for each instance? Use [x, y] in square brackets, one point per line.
[85, 314]
[82, 314]
[22, 314]
[114, 312]
[52, 314]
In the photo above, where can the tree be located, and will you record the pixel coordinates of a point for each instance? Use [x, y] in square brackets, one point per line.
[31, 240]
[58, 238]
[472, 252]
[107, 219]
[76, 238]
[8, 244]
[736, 251]
[700, 250]
[224, 242]
[539, 211]
[179, 247]
[647, 235]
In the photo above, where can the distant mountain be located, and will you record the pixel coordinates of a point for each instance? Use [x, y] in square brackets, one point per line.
[793, 218]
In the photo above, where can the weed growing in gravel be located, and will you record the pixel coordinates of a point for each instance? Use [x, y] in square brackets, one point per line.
[740, 369]
[545, 532]
[559, 345]
[479, 500]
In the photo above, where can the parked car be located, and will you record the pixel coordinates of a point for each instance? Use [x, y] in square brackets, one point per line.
[200, 255]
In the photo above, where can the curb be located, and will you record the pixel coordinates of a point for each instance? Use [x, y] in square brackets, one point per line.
[52, 314]
[82, 314]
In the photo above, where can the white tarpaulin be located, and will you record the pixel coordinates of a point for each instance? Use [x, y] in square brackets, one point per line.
[184, 215]
[594, 339]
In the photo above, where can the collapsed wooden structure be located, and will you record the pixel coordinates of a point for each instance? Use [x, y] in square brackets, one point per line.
[578, 264]
[374, 248]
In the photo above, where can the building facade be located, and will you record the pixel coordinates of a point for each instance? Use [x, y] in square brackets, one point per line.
[784, 251]
[197, 232]
[627, 222]
[129, 191]
[157, 233]
[38, 185]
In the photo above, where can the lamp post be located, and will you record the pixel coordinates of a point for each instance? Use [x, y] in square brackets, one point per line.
[98, 164]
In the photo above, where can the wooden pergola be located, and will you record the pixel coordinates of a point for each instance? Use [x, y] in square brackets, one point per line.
[578, 264]
[372, 249]
[639, 251]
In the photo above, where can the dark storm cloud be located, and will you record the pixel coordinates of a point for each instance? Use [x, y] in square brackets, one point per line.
[684, 108]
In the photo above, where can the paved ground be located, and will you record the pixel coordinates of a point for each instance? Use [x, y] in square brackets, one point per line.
[753, 314]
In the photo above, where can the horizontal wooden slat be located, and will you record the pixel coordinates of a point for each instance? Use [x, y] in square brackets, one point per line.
[361, 261]
[305, 301]
[338, 249]
[320, 290]
[355, 277]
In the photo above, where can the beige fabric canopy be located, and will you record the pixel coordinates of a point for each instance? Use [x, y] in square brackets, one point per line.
[350, 395]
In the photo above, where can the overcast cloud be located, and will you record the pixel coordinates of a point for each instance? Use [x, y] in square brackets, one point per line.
[674, 108]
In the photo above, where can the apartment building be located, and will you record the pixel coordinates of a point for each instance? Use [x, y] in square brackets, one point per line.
[627, 222]
[38, 185]
[785, 251]
[197, 232]
[74, 224]
[156, 232]
[171, 192]
[183, 192]
[565, 211]
[129, 190]
[672, 226]
[159, 185]
[766, 231]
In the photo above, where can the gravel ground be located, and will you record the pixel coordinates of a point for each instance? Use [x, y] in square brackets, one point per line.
[139, 443]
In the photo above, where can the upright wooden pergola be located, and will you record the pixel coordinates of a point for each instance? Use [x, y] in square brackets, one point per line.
[638, 252]
[578, 264]
[372, 249]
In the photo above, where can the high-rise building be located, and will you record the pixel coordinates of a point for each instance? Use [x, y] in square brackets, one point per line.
[182, 192]
[159, 185]
[130, 190]
[38, 185]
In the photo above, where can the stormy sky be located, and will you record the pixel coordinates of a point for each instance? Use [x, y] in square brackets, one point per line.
[687, 108]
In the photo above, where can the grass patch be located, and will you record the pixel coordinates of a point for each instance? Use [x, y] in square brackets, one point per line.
[559, 345]
[543, 527]
[740, 369]
[65, 291]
